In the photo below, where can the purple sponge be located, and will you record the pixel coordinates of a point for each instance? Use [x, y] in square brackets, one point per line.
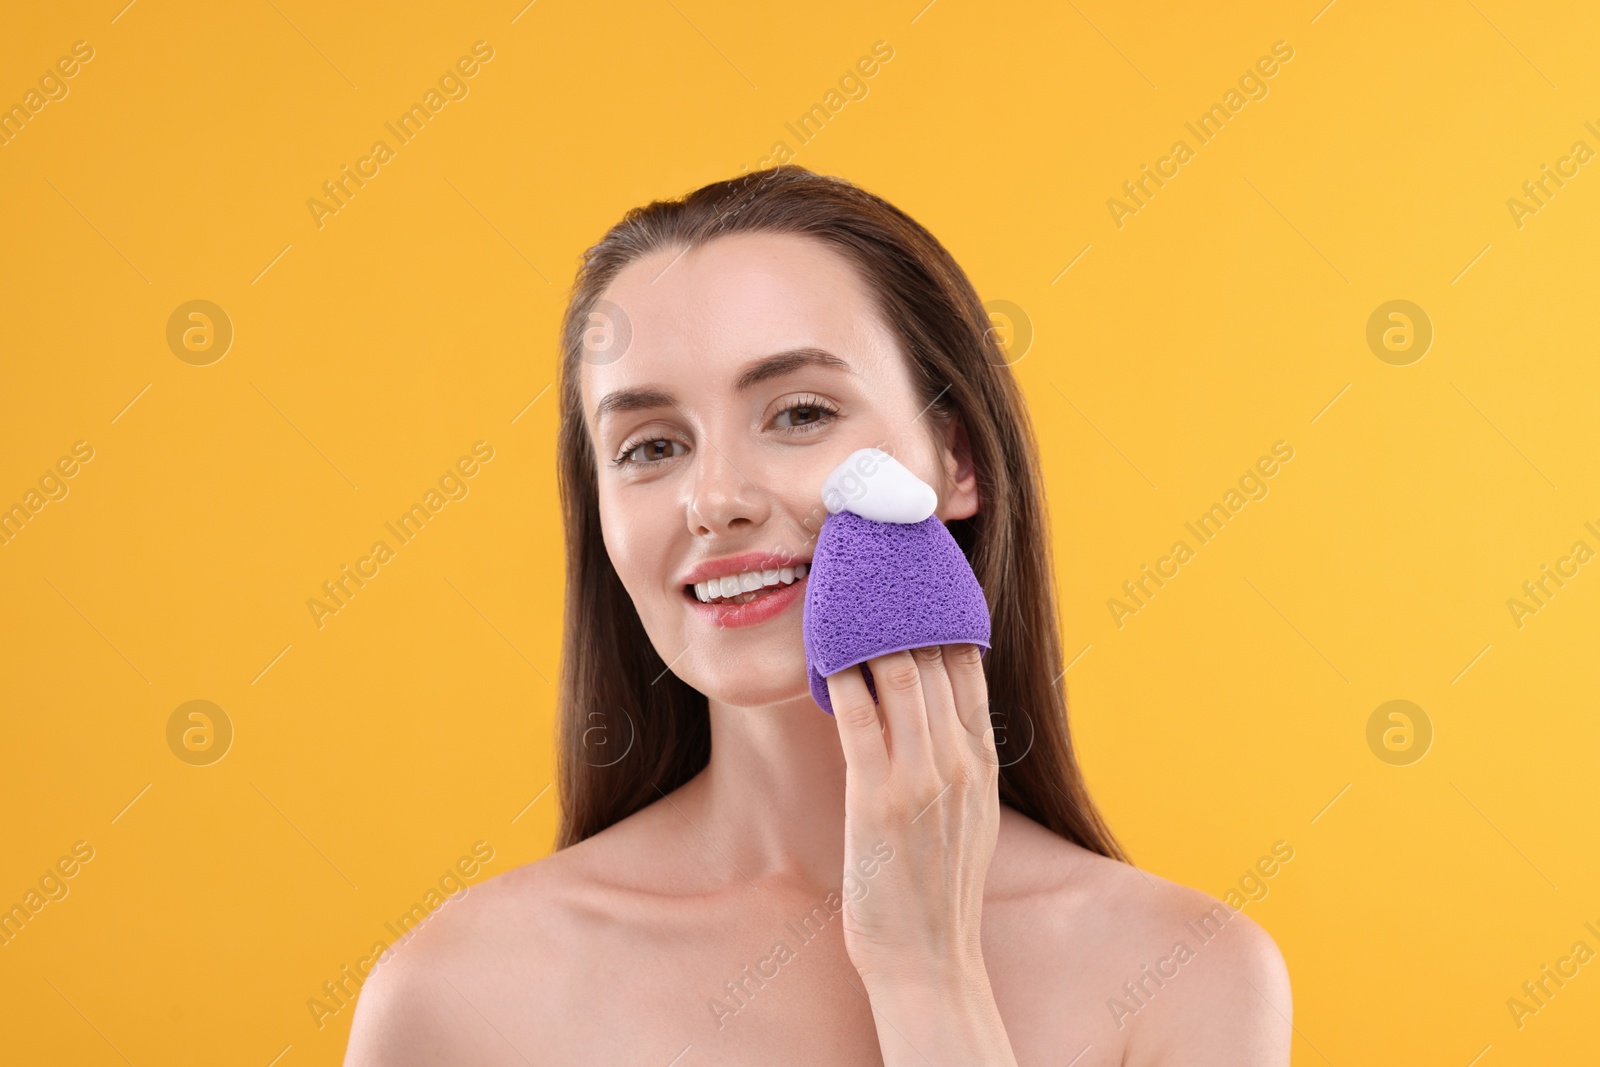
[877, 587]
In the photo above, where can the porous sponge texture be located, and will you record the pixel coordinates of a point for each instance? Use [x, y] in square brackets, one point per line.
[880, 587]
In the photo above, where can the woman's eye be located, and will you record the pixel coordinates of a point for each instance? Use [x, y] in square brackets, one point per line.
[805, 415]
[649, 451]
[801, 413]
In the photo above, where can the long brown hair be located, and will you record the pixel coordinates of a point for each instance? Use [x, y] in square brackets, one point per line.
[630, 729]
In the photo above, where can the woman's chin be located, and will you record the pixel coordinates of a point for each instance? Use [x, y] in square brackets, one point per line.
[766, 686]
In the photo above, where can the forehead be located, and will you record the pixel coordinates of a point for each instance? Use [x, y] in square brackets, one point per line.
[701, 314]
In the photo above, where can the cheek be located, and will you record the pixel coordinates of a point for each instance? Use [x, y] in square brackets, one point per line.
[638, 539]
[796, 491]
[617, 538]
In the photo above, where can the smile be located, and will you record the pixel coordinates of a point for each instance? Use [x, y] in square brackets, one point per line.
[773, 593]
[746, 586]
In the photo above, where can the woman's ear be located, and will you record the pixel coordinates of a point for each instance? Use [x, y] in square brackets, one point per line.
[961, 499]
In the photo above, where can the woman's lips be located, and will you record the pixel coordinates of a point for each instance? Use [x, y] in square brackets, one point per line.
[773, 602]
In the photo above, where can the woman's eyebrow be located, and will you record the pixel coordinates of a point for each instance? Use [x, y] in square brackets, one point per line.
[754, 374]
[632, 400]
[783, 362]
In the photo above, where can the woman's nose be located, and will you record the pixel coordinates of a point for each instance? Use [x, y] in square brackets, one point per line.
[724, 494]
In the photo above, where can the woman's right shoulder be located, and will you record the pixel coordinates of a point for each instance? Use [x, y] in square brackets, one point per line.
[430, 995]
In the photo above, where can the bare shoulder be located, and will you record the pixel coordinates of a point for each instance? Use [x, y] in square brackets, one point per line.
[1178, 975]
[1213, 988]
[488, 964]
[417, 1003]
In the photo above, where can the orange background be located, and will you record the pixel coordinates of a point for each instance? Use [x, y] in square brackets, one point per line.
[371, 754]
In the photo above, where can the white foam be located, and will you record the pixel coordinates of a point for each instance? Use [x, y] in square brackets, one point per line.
[873, 484]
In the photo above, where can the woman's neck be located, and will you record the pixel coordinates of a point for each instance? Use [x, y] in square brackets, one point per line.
[771, 799]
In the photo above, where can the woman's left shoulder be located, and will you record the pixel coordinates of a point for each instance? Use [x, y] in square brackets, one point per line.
[1173, 964]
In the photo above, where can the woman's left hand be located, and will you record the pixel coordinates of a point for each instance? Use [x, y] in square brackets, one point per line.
[922, 813]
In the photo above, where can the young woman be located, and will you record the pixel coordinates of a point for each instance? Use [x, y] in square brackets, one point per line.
[739, 877]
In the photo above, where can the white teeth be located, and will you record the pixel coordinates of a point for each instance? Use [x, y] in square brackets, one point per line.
[742, 587]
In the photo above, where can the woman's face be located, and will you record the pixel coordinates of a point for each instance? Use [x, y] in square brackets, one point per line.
[724, 385]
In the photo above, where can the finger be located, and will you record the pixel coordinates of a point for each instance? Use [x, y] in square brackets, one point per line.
[860, 732]
[963, 664]
[905, 718]
[945, 729]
